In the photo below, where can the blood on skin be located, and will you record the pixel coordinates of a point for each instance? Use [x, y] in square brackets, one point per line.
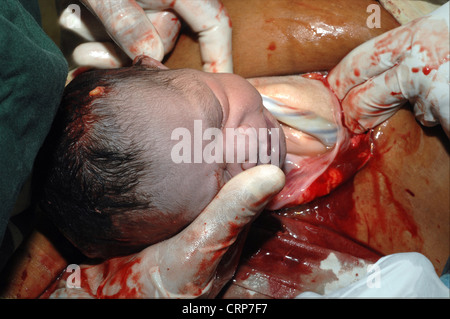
[272, 46]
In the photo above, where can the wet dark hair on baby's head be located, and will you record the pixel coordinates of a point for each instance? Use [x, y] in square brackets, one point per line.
[92, 165]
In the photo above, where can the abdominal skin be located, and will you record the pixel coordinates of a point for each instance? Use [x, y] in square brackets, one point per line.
[280, 37]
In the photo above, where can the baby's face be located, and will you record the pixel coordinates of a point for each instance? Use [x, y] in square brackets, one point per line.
[227, 103]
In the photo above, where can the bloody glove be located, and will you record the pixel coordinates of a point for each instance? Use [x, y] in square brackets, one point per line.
[185, 265]
[409, 63]
[151, 27]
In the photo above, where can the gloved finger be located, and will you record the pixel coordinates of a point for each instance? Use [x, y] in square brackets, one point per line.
[374, 101]
[168, 27]
[103, 55]
[80, 21]
[127, 23]
[206, 240]
[432, 106]
[423, 38]
[211, 21]
[369, 59]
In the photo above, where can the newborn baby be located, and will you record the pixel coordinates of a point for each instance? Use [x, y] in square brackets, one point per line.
[112, 186]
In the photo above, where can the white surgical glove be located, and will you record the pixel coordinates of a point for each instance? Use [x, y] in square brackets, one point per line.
[186, 265]
[409, 63]
[149, 27]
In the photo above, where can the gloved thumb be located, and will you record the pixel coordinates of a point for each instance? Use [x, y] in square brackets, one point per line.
[205, 241]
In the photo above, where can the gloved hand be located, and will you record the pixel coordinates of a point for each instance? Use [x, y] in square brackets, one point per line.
[185, 265]
[150, 27]
[409, 63]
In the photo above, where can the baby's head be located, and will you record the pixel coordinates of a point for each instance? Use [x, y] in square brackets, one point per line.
[112, 185]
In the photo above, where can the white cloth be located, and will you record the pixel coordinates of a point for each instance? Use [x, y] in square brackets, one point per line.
[403, 275]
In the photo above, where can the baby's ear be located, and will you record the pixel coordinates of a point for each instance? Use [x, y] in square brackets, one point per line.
[146, 61]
